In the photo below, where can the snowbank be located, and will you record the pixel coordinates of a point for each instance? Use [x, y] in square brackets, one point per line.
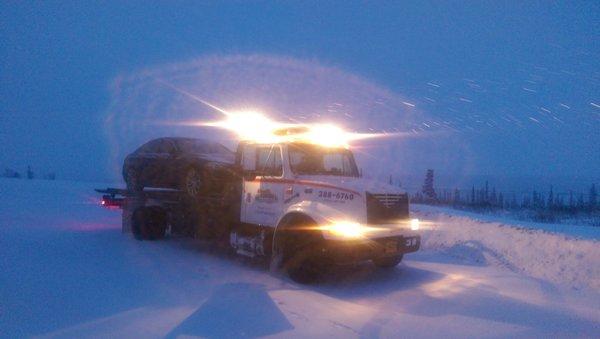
[560, 258]
[581, 230]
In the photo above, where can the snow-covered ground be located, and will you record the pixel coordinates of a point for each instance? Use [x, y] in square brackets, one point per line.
[573, 230]
[67, 271]
[560, 255]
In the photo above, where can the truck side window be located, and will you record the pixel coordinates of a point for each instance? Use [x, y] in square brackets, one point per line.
[338, 164]
[268, 161]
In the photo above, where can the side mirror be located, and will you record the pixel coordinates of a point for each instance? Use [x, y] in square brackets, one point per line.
[249, 158]
[249, 175]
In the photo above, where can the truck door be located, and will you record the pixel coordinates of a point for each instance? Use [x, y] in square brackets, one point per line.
[262, 200]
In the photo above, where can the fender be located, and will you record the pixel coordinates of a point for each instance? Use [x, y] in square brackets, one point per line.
[320, 213]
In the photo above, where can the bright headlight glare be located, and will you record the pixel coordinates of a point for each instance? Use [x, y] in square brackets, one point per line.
[346, 229]
[414, 224]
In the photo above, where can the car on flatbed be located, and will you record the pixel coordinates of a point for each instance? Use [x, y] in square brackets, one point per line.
[301, 205]
[173, 162]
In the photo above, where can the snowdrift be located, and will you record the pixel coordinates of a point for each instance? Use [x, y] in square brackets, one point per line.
[560, 258]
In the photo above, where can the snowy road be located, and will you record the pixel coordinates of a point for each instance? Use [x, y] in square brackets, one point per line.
[67, 271]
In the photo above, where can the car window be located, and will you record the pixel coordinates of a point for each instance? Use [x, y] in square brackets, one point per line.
[149, 147]
[268, 161]
[161, 145]
[166, 146]
[202, 147]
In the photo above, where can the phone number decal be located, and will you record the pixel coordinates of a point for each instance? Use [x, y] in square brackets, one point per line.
[336, 195]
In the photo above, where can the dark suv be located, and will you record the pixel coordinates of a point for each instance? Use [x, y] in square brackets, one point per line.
[177, 163]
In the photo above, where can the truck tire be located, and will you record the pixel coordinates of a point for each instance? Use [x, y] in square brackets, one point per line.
[149, 223]
[388, 262]
[297, 251]
[307, 266]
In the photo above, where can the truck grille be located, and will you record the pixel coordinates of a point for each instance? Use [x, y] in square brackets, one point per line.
[386, 208]
[388, 200]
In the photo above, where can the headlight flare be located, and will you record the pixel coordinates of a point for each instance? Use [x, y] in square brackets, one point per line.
[257, 127]
[419, 224]
[254, 126]
[355, 230]
[348, 229]
[415, 224]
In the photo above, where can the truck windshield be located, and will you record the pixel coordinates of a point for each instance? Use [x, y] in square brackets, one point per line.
[315, 160]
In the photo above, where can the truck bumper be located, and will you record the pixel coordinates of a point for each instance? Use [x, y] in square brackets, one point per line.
[352, 251]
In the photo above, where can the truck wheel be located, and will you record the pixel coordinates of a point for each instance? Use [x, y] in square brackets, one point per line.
[307, 269]
[149, 223]
[297, 251]
[388, 262]
[157, 224]
[192, 182]
[138, 219]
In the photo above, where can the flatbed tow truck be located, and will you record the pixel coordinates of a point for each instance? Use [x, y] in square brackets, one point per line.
[299, 205]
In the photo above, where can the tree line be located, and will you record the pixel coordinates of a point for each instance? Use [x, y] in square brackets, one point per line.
[548, 206]
[27, 174]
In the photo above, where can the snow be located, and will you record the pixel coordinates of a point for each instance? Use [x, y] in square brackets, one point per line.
[67, 271]
[556, 257]
[572, 230]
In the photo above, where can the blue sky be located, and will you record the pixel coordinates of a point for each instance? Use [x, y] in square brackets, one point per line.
[492, 60]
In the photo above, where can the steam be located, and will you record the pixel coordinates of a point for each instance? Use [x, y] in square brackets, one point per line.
[161, 101]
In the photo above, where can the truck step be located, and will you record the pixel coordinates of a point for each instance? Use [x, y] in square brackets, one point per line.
[245, 253]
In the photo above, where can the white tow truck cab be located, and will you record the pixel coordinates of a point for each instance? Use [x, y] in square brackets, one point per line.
[301, 204]
[310, 198]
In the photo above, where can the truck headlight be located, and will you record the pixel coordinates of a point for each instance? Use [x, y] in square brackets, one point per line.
[415, 224]
[346, 229]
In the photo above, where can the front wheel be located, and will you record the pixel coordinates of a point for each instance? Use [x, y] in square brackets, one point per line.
[309, 269]
[298, 252]
[388, 262]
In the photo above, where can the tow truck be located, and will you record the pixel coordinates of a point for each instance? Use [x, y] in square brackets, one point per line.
[301, 205]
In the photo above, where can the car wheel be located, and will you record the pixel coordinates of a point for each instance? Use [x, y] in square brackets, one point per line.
[192, 182]
[133, 181]
[388, 262]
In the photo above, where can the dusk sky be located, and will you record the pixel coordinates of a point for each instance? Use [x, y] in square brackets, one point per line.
[518, 83]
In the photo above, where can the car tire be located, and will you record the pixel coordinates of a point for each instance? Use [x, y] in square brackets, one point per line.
[192, 182]
[388, 262]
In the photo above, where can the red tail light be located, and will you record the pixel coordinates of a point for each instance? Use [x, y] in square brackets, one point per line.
[111, 202]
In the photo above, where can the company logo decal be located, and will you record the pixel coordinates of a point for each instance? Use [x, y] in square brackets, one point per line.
[265, 196]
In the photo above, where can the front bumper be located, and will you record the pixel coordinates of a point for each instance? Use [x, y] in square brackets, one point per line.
[351, 251]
